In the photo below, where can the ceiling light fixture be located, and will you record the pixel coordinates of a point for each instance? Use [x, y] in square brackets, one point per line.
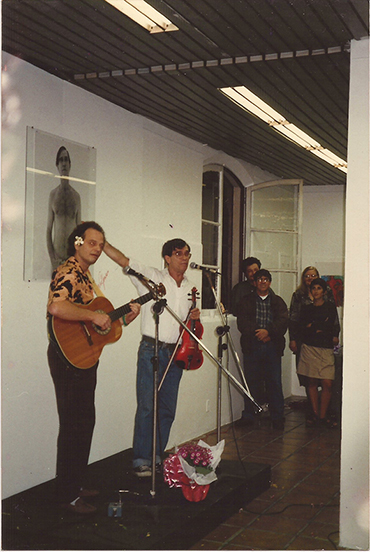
[143, 14]
[245, 99]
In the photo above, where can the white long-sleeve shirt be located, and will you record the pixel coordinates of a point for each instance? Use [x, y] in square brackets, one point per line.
[178, 300]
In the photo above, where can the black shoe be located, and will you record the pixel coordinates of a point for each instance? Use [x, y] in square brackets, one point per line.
[244, 422]
[278, 424]
[312, 420]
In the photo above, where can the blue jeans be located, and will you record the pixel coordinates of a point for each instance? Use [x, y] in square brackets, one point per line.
[262, 368]
[167, 401]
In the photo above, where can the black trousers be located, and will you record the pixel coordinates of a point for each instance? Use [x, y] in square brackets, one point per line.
[75, 394]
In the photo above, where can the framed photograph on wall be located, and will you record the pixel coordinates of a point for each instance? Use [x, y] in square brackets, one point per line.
[60, 193]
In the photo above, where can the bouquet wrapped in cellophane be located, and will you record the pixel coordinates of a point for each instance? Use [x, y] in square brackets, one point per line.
[198, 462]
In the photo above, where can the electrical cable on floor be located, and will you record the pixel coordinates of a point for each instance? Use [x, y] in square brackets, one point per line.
[330, 540]
[260, 514]
[242, 510]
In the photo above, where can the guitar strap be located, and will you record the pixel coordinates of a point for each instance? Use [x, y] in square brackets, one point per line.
[96, 288]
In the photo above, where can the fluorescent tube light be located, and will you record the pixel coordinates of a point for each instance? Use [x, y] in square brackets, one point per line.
[143, 14]
[245, 99]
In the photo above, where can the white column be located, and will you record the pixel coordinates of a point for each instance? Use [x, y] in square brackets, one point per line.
[354, 502]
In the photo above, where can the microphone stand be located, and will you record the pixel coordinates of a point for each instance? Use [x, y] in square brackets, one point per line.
[157, 310]
[220, 330]
[245, 389]
[225, 330]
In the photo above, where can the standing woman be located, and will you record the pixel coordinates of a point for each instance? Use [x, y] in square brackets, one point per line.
[319, 335]
[303, 296]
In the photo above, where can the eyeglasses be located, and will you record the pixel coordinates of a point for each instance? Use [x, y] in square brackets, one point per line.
[263, 279]
[310, 276]
[185, 254]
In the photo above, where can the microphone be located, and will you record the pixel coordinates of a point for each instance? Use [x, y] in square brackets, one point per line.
[204, 268]
[130, 271]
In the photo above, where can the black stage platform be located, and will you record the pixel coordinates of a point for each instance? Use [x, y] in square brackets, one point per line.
[31, 521]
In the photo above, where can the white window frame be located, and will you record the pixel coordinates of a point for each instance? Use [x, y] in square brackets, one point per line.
[297, 232]
[220, 170]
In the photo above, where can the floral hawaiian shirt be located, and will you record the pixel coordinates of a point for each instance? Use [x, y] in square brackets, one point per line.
[70, 282]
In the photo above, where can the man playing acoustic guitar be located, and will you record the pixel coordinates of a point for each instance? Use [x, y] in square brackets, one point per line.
[70, 289]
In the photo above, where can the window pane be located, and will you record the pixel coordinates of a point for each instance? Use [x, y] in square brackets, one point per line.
[275, 208]
[283, 283]
[276, 251]
[210, 243]
[208, 299]
[211, 196]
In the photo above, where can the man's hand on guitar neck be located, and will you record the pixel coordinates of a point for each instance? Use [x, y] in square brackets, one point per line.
[134, 312]
[71, 311]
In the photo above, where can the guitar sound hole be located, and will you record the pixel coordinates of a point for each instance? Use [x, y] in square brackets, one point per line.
[98, 328]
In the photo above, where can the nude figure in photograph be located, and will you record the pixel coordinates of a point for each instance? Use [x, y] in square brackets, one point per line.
[64, 211]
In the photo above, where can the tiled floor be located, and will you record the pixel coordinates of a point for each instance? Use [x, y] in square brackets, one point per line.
[300, 511]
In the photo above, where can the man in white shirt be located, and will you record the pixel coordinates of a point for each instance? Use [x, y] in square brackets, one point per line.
[176, 254]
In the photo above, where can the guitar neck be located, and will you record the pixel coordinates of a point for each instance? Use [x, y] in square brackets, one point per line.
[125, 309]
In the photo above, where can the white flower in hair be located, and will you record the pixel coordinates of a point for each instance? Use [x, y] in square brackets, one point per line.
[78, 240]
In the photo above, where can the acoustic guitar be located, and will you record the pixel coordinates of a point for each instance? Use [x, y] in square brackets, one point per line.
[82, 342]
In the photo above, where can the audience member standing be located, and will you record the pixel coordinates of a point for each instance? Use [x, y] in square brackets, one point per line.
[303, 296]
[263, 321]
[250, 265]
[318, 335]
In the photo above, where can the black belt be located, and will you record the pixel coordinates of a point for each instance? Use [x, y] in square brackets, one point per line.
[151, 340]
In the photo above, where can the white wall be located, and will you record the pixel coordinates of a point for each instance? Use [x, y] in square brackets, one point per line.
[149, 189]
[354, 503]
[323, 228]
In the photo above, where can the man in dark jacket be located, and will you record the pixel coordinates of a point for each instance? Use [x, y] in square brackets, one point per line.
[263, 321]
[250, 266]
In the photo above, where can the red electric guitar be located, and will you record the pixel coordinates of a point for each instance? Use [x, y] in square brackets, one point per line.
[189, 356]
